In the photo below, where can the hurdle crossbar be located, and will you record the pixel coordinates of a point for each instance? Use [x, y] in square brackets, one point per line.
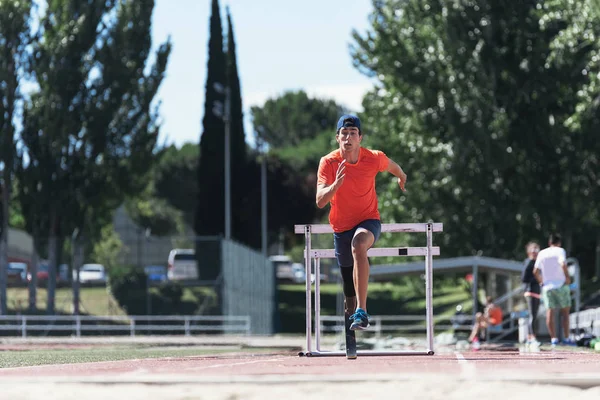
[316, 254]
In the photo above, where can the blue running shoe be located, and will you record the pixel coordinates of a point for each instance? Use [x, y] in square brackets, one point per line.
[360, 320]
[568, 342]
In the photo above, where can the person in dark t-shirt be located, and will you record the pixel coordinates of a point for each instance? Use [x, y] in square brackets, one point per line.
[531, 291]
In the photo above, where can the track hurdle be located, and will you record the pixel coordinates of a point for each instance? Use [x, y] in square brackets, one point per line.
[316, 254]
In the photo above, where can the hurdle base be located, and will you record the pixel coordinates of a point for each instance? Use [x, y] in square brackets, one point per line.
[367, 353]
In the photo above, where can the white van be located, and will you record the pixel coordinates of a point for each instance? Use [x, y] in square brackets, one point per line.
[182, 264]
[283, 268]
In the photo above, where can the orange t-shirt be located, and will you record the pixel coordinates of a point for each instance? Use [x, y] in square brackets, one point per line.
[356, 200]
[495, 315]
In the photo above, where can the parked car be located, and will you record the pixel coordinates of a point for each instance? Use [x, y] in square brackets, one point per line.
[182, 264]
[299, 274]
[91, 274]
[16, 273]
[42, 274]
[156, 273]
[283, 268]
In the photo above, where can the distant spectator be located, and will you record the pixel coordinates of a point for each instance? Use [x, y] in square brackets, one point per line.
[551, 272]
[491, 316]
[532, 291]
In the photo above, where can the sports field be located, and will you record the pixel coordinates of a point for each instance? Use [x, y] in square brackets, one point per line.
[269, 368]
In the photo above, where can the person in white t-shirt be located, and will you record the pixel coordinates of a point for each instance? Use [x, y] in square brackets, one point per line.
[551, 272]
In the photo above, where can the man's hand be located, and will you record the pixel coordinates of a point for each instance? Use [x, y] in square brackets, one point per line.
[394, 169]
[325, 193]
[566, 272]
[339, 176]
[402, 180]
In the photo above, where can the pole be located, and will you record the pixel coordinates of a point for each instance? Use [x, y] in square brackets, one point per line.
[598, 255]
[429, 288]
[475, 291]
[148, 298]
[75, 267]
[263, 200]
[227, 163]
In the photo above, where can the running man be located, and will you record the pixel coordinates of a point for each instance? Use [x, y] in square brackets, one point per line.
[346, 180]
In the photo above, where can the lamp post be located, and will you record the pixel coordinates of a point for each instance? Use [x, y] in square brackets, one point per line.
[224, 112]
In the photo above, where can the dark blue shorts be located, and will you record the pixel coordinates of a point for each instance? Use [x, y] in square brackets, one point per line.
[342, 241]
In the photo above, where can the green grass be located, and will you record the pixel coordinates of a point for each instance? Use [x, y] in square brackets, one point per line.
[92, 300]
[68, 356]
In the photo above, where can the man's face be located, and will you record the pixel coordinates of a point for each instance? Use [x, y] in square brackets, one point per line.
[533, 250]
[349, 138]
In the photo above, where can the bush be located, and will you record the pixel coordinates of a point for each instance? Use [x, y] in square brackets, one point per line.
[128, 286]
[172, 291]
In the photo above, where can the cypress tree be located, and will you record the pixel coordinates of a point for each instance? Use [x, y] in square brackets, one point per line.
[210, 208]
[241, 230]
[210, 215]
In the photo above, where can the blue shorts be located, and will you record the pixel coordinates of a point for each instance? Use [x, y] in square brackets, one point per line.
[342, 241]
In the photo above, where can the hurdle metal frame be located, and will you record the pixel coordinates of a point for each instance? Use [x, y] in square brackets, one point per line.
[309, 254]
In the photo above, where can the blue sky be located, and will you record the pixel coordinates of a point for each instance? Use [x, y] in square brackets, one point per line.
[281, 45]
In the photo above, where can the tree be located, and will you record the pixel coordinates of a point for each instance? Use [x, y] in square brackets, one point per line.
[14, 29]
[287, 120]
[480, 106]
[175, 180]
[90, 130]
[241, 225]
[154, 214]
[106, 250]
[210, 214]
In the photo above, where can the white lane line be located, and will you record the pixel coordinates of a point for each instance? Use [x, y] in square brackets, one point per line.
[241, 363]
[461, 359]
[467, 369]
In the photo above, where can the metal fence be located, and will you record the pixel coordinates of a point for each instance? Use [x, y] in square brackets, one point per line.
[23, 325]
[248, 286]
[243, 277]
[380, 324]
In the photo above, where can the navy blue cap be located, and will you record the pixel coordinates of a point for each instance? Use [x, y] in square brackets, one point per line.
[348, 120]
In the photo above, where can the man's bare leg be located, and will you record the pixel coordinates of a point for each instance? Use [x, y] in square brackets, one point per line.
[361, 243]
[476, 326]
[550, 323]
[564, 313]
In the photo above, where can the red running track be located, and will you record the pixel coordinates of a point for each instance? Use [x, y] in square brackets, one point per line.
[548, 365]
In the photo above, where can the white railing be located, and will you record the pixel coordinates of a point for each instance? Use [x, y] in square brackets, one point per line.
[132, 324]
[393, 323]
[586, 320]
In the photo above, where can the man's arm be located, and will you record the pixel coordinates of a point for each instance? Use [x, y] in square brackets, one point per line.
[566, 271]
[538, 275]
[396, 170]
[325, 192]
